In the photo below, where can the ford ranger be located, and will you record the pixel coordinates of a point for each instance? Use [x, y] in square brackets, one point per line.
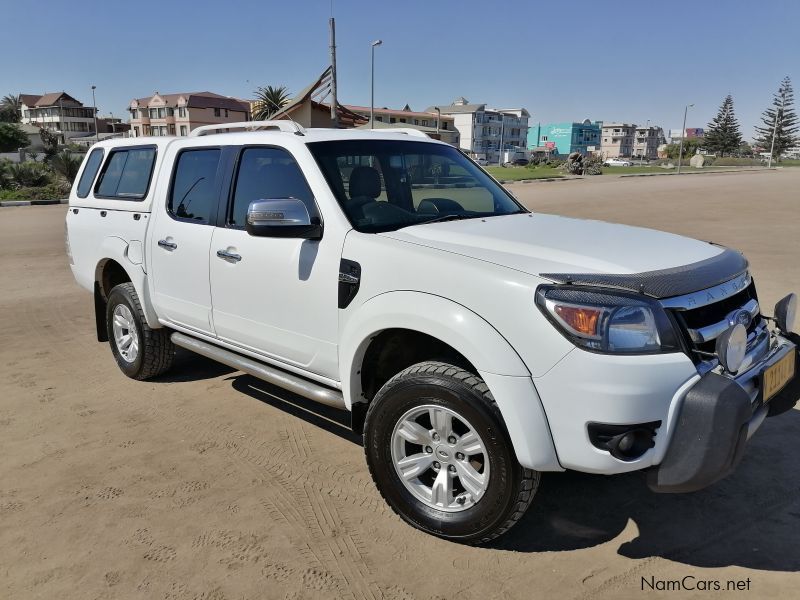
[476, 344]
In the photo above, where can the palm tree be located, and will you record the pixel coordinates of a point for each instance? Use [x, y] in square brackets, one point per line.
[9, 108]
[269, 100]
[66, 165]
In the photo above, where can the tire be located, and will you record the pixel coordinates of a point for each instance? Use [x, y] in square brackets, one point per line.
[154, 350]
[436, 388]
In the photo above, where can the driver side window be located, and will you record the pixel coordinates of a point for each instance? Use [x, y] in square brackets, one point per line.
[267, 174]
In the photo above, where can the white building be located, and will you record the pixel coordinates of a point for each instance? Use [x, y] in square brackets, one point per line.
[486, 132]
[59, 112]
[793, 152]
[647, 141]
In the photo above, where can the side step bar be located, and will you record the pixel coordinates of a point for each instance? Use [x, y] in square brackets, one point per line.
[288, 381]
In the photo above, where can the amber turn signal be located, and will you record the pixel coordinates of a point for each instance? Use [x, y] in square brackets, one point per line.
[582, 319]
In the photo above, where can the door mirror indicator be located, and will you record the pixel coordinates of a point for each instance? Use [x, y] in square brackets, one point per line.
[282, 217]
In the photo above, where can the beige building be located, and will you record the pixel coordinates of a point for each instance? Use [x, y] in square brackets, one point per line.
[59, 112]
[617, 140]
[436, 126]
[178, 114]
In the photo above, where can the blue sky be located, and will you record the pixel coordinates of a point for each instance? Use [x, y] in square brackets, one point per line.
[616, 60]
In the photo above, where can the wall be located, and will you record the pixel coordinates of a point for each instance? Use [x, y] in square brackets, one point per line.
[463, 122]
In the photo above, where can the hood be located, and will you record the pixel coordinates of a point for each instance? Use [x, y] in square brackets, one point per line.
[541, 243]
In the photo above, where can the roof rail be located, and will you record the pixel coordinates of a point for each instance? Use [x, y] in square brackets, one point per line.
[406, 130]
[286, 126]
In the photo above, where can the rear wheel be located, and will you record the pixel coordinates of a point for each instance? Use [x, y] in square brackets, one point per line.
[140, 351]
[439, 453]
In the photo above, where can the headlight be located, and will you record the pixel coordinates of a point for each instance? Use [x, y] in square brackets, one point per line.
[610, 322]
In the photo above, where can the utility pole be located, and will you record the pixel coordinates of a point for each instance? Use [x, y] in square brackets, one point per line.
[438, 118]
[775, 127]
[502, 131]
[683, 135]
[372, 85]
[334, 101]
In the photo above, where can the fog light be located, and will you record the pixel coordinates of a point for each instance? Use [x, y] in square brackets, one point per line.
[732, 347]
[785, 312]
[626, 443]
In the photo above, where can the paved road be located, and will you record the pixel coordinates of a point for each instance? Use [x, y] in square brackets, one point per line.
[209, 484]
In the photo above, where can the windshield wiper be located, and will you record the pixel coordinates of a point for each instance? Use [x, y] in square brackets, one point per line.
[451, 217]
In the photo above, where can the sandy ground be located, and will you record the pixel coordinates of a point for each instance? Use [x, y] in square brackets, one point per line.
[207, 484]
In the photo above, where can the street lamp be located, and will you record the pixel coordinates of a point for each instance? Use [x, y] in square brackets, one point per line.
[438, 118]
[372, 85]
[94, 108]
[683, 135]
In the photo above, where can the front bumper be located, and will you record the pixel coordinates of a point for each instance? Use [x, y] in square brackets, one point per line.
[717, 417]
[586, 388]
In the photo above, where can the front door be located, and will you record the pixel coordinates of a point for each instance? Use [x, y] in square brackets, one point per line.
[181, 239]
[275, 296]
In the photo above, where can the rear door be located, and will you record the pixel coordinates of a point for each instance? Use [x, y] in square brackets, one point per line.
[181, 238]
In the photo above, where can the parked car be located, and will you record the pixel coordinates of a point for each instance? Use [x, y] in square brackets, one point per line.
[481, 161]
[617, 162]
[475, 344]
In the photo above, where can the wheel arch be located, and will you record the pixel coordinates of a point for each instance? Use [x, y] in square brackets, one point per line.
[455, 327]
[114, 268]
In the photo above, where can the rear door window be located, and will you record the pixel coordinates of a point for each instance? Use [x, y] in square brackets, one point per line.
[194, 185]
[127, 174]
[90, 172]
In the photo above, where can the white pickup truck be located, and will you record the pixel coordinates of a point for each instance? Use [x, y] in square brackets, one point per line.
[476, 344]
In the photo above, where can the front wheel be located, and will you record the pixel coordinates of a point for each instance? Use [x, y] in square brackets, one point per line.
[439, 453]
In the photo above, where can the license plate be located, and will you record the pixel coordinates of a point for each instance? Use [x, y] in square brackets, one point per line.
[778, 375]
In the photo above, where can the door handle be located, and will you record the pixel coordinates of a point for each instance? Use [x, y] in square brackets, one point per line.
[224, 254]
[167, 245]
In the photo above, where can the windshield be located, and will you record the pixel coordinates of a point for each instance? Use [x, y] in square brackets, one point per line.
[384, 185]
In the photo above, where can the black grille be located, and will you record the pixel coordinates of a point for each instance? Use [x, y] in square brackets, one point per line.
[713, 313]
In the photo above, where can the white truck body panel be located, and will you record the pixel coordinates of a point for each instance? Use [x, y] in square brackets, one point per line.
[539, 243]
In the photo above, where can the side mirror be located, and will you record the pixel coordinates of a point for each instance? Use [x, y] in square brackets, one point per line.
[282, 217]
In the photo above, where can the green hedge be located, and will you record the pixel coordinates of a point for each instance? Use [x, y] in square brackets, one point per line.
[51, 191]
[733, 161]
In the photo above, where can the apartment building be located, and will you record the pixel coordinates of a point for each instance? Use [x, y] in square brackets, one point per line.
[178, 114]
[566, 138]
[647, 141]
[487, 132]
[618, 140]
[59, 112]
[440, 127]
